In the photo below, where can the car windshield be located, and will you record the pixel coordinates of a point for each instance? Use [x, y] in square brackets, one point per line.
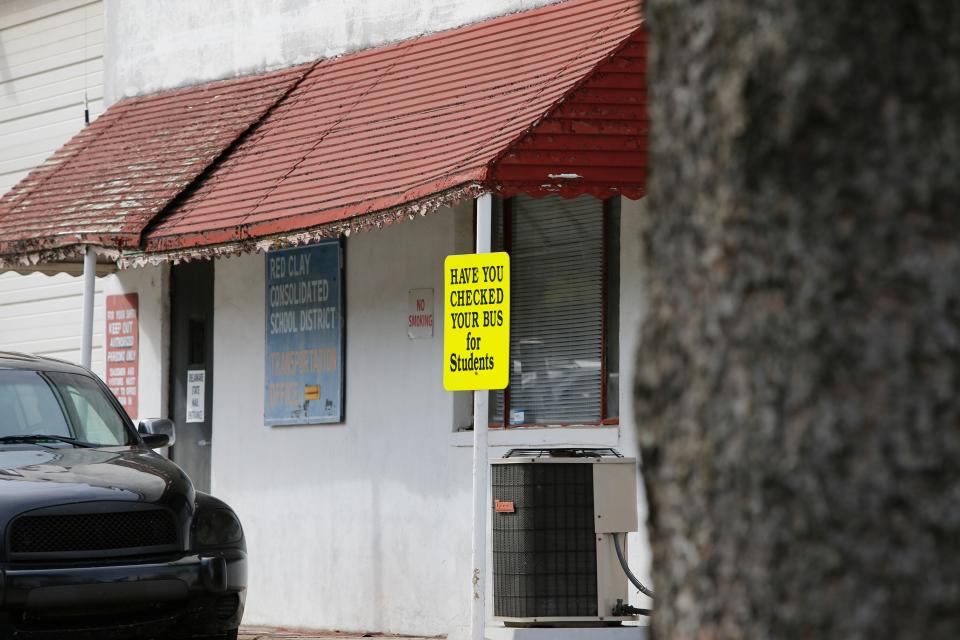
[64, 406]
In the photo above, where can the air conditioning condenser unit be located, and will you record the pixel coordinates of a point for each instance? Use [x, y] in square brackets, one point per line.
[556, 512]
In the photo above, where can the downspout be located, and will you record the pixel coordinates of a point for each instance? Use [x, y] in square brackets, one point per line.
[89, 264]
[481, 417]
[86, 323]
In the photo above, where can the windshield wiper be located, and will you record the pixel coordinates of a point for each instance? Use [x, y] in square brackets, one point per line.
[39, 437]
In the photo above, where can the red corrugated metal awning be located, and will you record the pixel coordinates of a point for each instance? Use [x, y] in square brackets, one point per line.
[546, 101]
[107, 183]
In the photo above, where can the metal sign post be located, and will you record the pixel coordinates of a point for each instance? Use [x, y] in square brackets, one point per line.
[89, 293]
[478, 617]
[476, 357]
[481, 417]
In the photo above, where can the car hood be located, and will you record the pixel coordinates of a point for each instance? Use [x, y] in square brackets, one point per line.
[33, 477]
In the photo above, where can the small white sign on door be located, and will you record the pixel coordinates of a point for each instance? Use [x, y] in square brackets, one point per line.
[420, 313]
[196, 393]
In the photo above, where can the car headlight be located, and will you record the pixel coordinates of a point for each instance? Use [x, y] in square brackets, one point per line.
[217, 528]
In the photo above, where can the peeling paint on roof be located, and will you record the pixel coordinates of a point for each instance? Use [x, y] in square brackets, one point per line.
[345, 227]
[109, 181]
[515, 104]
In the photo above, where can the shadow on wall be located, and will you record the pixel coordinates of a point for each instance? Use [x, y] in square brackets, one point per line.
[376, 554]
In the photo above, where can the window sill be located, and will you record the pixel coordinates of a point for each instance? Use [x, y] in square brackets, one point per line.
[605, 436]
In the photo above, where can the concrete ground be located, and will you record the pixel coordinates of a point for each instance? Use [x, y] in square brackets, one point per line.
[262, 633]
[494, 633]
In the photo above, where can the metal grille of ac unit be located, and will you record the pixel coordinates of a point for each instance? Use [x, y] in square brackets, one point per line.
[545, 553]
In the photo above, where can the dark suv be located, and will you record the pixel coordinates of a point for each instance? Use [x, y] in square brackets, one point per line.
[103, 537]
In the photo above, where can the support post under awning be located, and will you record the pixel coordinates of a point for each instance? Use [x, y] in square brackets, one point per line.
[89, 292]
[481, 416]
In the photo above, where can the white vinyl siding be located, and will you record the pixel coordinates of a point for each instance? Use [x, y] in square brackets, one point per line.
[40, 314]
[51, 53]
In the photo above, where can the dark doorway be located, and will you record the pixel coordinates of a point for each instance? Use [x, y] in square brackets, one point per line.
[191, 368]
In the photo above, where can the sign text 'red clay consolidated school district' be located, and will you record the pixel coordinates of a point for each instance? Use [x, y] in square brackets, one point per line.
[476, 333]
[304, 335]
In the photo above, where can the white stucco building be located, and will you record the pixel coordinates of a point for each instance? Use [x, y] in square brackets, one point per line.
[362, 522]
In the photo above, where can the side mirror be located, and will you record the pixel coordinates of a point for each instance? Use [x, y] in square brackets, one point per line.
[157, 432]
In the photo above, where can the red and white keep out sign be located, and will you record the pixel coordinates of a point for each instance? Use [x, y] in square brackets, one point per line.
[123, 350]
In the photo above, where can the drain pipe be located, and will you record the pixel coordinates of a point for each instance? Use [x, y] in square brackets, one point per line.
[478, 621]
[86, 323]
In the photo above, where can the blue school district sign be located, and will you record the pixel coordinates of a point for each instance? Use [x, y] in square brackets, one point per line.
[304, 335]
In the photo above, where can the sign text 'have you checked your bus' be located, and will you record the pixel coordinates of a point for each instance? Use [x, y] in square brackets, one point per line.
[476, 337]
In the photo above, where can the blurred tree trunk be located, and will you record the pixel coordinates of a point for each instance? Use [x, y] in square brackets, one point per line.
[798, 388]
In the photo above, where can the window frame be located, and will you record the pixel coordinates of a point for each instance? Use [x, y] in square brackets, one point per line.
[506, 211]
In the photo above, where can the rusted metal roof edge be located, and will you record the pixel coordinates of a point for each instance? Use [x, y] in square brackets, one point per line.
[52, 256]
[346, 227]
[568, 189]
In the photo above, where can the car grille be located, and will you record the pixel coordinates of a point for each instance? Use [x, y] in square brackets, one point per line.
[227, 606]
[93, 532]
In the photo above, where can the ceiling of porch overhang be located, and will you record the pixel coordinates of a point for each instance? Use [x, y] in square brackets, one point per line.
[545, 101]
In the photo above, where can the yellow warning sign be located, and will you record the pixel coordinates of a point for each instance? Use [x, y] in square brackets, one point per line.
[476, 319]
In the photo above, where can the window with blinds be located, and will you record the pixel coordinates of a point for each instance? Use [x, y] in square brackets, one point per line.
[562, 283]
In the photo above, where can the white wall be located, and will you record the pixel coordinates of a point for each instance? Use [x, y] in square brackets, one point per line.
[363, 525]
[159, 45]
[51, 52]
[366, 525]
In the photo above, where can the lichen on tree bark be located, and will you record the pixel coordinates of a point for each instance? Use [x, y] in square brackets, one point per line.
[798, 380]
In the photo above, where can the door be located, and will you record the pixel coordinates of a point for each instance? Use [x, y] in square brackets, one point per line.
[191, 368]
